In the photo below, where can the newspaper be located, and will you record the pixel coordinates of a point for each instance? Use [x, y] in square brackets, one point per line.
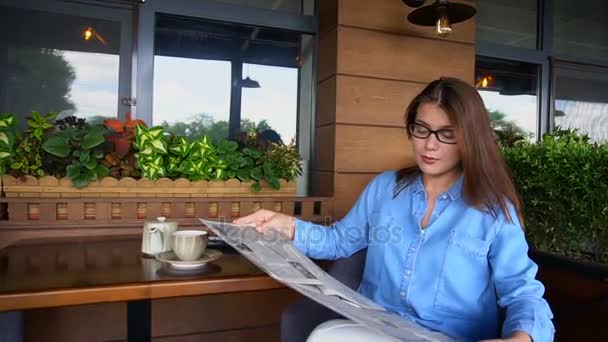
[277, 256]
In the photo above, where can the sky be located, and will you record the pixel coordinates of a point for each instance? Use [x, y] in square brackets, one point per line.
[186, 87]
[522, 109]
[95, 89]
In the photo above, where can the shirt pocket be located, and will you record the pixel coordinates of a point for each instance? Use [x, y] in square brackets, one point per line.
[464, 284]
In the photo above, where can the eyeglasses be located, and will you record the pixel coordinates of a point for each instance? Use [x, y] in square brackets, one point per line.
[444, 135]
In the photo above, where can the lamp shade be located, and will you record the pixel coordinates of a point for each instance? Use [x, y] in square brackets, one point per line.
[427, 15]
[249, 83]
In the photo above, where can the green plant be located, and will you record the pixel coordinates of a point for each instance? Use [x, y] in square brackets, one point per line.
[82, 147]
[120, 158]
[179, 148]
[232, 163]
[52, 164]
[122, 133]
[200, 161]
[563, 182]
[151, 146]
[285, 161]
[28, 155]
[7, 140]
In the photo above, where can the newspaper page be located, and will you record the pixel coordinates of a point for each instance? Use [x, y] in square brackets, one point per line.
[277, 256]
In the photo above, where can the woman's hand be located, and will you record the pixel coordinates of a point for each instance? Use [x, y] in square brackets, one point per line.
[264, 220]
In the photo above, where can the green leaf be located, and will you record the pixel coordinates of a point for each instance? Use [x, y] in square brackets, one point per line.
[92, 139]
[256, 187]
[4, 138]
[274, 183]
[57, 145]
[91, 164]
[243, 175]
[72, 171]
[81, 181]
[85, 157]
[256, 173]
[102, 171]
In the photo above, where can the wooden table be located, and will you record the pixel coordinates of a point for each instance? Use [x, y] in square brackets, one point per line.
[85, 270]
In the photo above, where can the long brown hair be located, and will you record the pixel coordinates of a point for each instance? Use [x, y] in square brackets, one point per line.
[487, 181]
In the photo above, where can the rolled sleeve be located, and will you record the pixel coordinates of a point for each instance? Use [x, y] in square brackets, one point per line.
[517, 289]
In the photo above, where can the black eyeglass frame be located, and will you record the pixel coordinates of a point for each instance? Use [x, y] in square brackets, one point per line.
[412, 126]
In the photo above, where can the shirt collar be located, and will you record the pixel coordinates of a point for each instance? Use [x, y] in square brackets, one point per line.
[455, 190]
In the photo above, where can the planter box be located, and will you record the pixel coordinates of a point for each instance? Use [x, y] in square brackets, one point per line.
[49, 186]
[578, 295]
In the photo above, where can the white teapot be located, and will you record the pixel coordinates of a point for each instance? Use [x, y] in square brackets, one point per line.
[157, 236]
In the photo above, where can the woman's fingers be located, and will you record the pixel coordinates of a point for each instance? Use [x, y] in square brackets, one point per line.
[282, 223]
[256, 218]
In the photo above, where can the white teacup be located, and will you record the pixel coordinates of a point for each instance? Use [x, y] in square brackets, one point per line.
[189, 245]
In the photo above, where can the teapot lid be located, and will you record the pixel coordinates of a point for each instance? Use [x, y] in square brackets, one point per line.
[160, 219]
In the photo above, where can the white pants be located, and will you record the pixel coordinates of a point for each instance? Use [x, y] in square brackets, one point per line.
[348, 331]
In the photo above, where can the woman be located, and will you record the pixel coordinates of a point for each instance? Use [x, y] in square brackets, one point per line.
[444, 238]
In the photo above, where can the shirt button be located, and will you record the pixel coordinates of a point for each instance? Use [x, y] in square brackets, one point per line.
[444, 196]
[402, 294]
[408, 272]
[413, 249]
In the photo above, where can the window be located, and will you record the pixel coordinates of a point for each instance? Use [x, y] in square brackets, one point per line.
[56, 62]
[273, 105]
[581, 29]
[581, 100]
[507, 22]
[289, 6]
[218, 78]
[510, 92]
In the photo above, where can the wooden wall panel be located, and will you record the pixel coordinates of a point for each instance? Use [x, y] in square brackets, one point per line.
[348, 187]
[373, 101]
[99, 322]
[327, 55]
[324, 148]
[237, 316]
[390, 56]
[371, 149]
[187, 315]
[322, 183]
[391, 16]
[328, 15]
[326, 102]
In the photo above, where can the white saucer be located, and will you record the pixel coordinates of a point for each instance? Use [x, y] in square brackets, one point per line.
[171, 259]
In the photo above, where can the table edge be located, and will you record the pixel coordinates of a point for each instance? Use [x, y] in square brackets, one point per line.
[128, 292]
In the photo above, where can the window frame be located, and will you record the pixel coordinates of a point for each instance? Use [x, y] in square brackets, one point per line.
[545, 56]
[121, 14]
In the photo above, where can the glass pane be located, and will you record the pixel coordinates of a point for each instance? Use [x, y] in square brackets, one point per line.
[275, 104]
[291, 6]
[192, 96]
[205, 72]
[52, 66]
[581, 28]
[507, 22]
[509, 91]
[581, 100]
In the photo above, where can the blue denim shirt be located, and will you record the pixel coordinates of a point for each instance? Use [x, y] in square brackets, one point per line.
[455, 276]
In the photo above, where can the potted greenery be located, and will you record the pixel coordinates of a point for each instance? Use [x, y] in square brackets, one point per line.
[563, 183]
[69, 157]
